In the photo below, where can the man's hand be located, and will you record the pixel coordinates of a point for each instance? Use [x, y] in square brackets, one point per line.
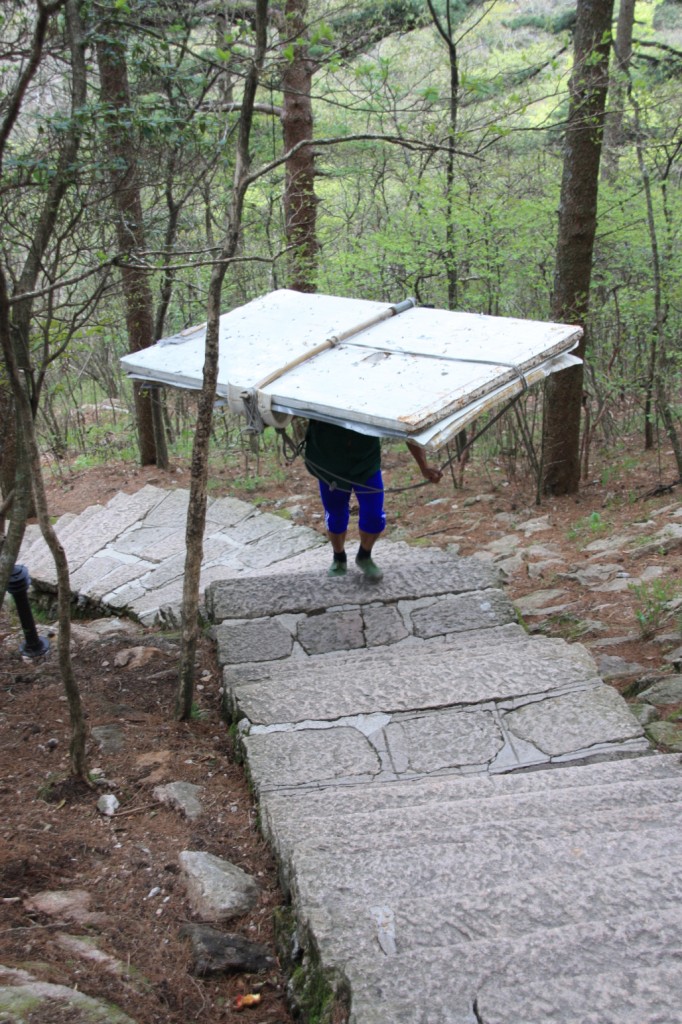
[430, 473]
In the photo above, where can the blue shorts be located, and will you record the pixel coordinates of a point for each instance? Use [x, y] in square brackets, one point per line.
[370, 497]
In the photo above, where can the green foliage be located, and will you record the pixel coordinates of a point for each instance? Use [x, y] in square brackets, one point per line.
[589, 527]
[653, 604]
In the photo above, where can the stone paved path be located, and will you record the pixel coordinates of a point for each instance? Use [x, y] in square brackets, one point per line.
[470, 824]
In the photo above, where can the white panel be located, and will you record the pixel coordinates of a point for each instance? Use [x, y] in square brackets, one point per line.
[415, 374]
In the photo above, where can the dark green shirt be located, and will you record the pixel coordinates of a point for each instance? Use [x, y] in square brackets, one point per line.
[340, 456]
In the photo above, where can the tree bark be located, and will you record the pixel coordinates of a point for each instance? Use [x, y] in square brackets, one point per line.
[575, 244]
[137, 295]
[300, 202]
[14, 339]
[196, 513]
[613, 127]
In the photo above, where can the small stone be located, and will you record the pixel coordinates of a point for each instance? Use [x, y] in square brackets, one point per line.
[108, 804]
[217, 889]
[183, 796]
[225, 952]
[644, 713]
[665, 691]
[666, 734]
[137, 657]
[612, 667]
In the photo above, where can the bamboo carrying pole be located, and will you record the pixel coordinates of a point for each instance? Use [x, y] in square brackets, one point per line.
[336, 339]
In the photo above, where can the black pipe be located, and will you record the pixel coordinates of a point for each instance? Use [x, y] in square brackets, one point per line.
[34, 646]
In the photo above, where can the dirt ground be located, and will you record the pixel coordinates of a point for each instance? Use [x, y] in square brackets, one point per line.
[53, 838]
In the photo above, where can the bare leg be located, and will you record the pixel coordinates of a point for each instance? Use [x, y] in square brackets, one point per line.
[363, 559]
[338, 542]
[367, 539]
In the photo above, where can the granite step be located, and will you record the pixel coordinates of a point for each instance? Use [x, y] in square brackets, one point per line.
[455, 977]
[307, 592]
[490, 639]
[546, 900]
[410, 680]
[312, 805]
[381, 874]
[640, 801]
[649, 995]
[583, 725]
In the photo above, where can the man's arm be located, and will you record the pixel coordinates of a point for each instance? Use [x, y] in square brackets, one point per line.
[431, 473]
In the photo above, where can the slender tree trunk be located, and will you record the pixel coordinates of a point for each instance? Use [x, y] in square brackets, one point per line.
[16, 317]
[137, 295]
[14, 339]
[577, 229]
[300, 202]
[613, 127]
[196, 513]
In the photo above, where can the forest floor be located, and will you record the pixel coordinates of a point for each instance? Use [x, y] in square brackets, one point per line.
[53, 838]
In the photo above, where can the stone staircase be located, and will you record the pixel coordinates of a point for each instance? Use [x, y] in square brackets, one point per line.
[470, 825]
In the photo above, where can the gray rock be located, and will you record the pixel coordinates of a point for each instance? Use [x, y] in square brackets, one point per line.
[183, 796]
[383, 625]
[478, 610]
[547, 568]
[666, 734]
[665, 691]
[540, 602]
[597, 573]
[644, 713]
[260, 640]
[217, 952]
[612, 667]
[445, 739]
[309, 756]
[23, 998]
[65, 904]
[332, 631]
[532, 526]
[108, 804]
[109, 738]
[217, 890]
[674, 657]
[666, 540]
[575, 721]
[410, 680]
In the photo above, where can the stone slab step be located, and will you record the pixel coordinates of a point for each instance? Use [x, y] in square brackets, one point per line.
[551, 899]
[504, 854]
[310, 591]
[637, 942]
[354, 628]
[93, 530]
[639, 801]
[412, 681]
[494, 638]
[301, 805]
[377, 745]
[649, 995]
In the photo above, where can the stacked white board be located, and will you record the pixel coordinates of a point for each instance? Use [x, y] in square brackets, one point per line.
[421, 374]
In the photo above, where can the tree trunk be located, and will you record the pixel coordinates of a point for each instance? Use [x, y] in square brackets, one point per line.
[14, 340]
[16, 317]
[300, 202]
[137, 295]
[196, 513]
[577, 228]
[613, 126]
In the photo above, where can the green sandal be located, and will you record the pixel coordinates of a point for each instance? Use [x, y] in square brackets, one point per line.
[369, 569]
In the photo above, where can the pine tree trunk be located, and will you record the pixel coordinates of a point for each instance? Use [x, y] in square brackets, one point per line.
[577, 229]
